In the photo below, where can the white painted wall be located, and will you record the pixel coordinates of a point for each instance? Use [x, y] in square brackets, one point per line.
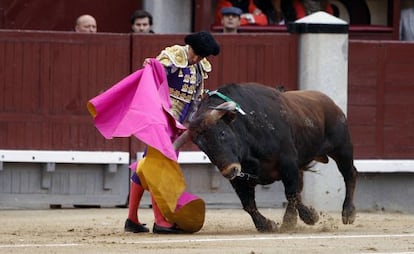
[323, 66]
[170, 17]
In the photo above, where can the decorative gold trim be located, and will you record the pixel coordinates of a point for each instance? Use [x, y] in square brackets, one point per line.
[205, 64]
[175, 55]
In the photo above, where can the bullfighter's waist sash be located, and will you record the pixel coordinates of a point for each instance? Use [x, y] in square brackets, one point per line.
[184, 84]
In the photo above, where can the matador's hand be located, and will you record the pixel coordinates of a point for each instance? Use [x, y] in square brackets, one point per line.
[146, 61]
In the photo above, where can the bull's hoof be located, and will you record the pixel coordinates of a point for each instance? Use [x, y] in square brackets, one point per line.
[269, 226]
[308, 215]
[290, 219]
[348, 215]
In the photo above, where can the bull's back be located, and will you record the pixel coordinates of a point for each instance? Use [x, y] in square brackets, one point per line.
[253, 95]
[318, 121]
[310, 104]
[309, 98]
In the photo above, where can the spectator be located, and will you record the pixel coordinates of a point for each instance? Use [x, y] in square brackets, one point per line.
[141, 22]
[252, 15]
[357, 11]
[272, 10]
[186, 81]
[85, 24]
[230, 19]
[407, 24]
[297, 9]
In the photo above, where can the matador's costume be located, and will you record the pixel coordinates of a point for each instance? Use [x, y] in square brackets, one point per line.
[151, 104]
[186, 81]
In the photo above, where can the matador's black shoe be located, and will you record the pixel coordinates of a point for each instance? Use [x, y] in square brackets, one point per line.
[164, 230]
[133, 227]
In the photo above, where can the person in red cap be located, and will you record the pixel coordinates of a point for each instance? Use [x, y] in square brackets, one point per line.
[186, 68]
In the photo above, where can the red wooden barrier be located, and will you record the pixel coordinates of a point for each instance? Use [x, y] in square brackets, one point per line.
[381, 105]
[264, 58]
[46, 78]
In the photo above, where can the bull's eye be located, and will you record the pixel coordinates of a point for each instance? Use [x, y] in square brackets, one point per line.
[198, 143]
[222, 134]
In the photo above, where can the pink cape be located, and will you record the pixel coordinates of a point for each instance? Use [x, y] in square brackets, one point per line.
[139, 105]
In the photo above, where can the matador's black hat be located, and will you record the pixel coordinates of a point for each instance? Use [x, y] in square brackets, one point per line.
[203, 43]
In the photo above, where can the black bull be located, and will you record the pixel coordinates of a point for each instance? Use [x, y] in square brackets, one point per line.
[278, 138]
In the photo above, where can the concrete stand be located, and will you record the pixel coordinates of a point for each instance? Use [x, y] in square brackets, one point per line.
[323, 66]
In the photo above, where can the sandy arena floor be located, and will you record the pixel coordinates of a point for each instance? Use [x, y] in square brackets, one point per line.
[225, 231]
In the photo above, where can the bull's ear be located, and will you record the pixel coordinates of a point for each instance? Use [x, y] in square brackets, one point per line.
[224, 110]
[229, 116]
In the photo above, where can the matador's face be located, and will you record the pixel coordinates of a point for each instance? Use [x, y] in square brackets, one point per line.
[193, 58]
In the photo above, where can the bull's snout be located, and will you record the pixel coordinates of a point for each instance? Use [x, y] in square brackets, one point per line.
[231, 171]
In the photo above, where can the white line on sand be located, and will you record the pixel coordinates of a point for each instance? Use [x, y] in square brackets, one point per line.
[265, 238]
[386, 253]
[227, 239]
[39, 245]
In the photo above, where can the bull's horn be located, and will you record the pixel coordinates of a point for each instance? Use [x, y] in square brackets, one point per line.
[181, 140]
[226, 106]
[221, 110]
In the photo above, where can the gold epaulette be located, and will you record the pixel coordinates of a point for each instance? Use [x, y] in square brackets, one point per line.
[205, 64]
[174, 55]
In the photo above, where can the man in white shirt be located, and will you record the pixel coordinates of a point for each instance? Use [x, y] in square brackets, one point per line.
[407, 24]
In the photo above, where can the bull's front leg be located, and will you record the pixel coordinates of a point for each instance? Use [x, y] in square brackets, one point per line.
[292, 180]
[246, 192]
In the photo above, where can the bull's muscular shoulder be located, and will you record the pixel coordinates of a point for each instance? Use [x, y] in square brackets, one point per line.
[175, 55]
